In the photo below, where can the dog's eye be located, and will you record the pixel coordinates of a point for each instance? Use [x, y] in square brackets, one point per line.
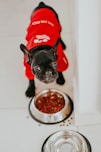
[54, 64]
[37, 68]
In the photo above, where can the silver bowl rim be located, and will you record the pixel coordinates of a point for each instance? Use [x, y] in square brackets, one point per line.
[81, 136]
[71, 104]
[45, 91]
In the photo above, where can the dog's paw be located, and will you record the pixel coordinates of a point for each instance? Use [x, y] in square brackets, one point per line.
[60, 80]
[30, 92]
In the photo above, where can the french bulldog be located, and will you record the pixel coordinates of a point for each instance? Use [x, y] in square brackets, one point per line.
[43, 54]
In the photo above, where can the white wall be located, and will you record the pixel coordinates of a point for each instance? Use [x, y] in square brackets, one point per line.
[88, 48]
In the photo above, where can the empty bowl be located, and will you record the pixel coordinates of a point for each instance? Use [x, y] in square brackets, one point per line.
[66, 141]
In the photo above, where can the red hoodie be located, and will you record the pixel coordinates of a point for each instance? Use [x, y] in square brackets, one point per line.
[44, 29]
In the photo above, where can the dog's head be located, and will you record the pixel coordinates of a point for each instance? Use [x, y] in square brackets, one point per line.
[43, 61]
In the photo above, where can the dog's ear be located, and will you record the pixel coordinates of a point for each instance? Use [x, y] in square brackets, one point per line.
[54, 48]
[25, 51]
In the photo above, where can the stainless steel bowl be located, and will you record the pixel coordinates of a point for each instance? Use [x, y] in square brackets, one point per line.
[55, 117]
[66, 141]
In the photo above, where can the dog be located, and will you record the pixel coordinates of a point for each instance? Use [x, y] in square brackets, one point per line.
[43, 54]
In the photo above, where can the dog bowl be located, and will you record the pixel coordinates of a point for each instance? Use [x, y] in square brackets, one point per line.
[66, 140]
[58, 106]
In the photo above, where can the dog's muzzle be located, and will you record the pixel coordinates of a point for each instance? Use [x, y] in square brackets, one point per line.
[48, 74]
[48, 77]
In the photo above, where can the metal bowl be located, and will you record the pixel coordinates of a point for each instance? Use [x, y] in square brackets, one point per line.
[55, 117]
[66, 140]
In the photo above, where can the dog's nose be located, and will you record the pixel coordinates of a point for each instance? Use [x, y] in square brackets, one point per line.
[48, 73]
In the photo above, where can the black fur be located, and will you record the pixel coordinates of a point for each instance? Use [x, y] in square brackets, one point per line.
[60, 80]
[30, 92]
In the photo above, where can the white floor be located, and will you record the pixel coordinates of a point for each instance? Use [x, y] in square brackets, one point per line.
[18, 131]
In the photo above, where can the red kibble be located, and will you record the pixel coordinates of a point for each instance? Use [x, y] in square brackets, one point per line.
[50, 103]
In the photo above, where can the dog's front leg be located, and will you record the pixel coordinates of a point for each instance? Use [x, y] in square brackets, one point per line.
[60, 80]
[30, 92]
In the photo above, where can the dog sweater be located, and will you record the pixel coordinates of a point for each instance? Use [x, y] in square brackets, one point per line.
[44, 29]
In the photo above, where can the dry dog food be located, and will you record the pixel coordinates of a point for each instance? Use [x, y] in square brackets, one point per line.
[50, 103]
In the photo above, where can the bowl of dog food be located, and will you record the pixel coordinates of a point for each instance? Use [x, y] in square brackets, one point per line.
[50, 106]
[66, 140]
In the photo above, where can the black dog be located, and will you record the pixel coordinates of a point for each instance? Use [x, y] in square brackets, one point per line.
[43, 53]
